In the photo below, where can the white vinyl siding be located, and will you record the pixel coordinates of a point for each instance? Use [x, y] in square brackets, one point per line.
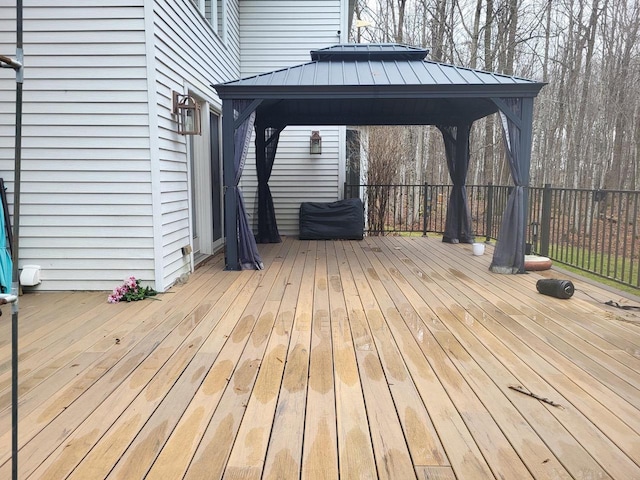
[105, 187]
[189, 55]
[297, 177]
[104, 182]
[86, 205]
[280, 36]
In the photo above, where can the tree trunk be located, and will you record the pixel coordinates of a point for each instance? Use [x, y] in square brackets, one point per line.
[400, 30]
[489, 161]
[475, 36]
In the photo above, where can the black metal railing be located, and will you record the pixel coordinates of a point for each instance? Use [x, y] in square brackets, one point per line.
[597, 231]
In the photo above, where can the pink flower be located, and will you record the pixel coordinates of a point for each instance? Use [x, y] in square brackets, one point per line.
[130, 290]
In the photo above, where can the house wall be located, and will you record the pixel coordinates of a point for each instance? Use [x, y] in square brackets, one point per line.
[278, 37]
[189, 56]
[104, 176]
[105, 184]
[86, 203]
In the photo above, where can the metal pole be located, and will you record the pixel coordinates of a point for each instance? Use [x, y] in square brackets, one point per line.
[425, 208]
[545, 227]
[489, 213]
[15, 246]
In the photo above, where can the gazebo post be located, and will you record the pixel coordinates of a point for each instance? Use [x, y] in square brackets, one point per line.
[230, 197]
[465, 230]
[261, 155]
[526, 135]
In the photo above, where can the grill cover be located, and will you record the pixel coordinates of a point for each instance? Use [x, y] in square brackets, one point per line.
[341, 220]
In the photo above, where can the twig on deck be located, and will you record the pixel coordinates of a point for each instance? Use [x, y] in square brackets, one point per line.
[518, 388]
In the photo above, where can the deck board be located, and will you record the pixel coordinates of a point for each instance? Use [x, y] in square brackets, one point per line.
[320, 445]
[598, 446]
[389, 357]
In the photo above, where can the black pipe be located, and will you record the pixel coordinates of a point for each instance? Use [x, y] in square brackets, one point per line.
[15, 246]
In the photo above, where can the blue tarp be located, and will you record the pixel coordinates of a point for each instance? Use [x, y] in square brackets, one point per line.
[6, 265]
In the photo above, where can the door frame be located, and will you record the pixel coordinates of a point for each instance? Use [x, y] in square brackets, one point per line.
[204, 191]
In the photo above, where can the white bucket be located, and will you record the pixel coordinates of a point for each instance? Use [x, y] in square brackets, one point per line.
[478, 248]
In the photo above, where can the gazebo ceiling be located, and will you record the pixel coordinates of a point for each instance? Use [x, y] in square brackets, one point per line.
[362, 84]
[373, 111]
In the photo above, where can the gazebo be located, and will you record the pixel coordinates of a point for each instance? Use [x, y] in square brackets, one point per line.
[375, 84]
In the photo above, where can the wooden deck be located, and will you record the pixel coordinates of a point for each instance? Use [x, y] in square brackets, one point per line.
[386, 358]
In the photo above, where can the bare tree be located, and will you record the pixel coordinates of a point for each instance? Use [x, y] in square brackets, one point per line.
[382, 166]
[586, 118]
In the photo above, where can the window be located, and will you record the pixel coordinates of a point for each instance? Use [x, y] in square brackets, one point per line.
[215, 12]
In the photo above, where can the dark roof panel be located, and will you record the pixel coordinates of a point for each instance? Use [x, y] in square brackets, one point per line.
[384, 84]
[377, 72]
[394, 75]
[365, 51]
[336, 74]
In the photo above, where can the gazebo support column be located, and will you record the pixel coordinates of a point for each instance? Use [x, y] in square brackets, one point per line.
[230, 195]
[238, 120]
[458, 221]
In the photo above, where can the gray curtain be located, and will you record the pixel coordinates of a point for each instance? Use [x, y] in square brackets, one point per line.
[248, 255]
[458, 223]
[266, 146]
[508, 256]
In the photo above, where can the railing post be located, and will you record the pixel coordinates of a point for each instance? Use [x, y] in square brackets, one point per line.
[425, 206]
[344, 191]
[545, 227]
[489, 212]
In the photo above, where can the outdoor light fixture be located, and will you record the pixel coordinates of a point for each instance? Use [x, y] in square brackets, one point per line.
[187, 110]
[315, 143]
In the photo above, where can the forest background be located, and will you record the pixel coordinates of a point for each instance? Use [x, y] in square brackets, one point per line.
[587, 117]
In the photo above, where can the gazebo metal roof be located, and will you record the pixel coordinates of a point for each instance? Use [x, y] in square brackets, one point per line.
[337, 88]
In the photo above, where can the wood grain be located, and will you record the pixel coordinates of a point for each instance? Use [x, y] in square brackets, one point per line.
[389, 357]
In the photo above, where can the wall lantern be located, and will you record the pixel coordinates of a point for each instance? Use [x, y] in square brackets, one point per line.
[315, 143]
[188, 113]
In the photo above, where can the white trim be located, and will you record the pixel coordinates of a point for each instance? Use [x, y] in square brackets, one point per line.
[215, 104]
[221, 30]
[344, 21]
[209, 103]
[202, 176]
[154, 145]
[217, 110]
[217, 23]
